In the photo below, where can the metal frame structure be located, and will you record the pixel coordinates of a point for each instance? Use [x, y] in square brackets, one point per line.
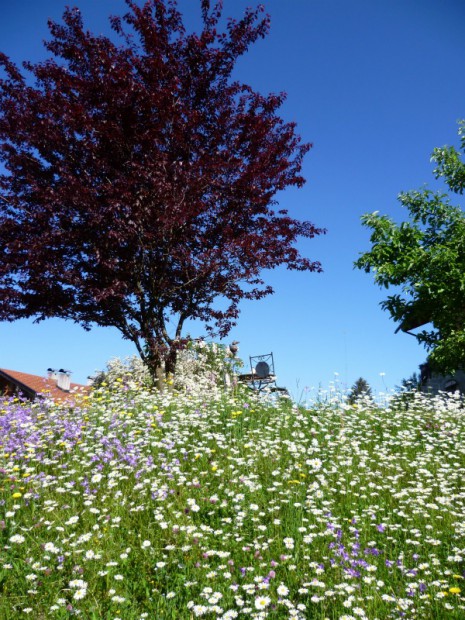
[262, 374]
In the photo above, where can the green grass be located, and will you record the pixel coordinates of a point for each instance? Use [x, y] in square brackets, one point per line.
[138, 505]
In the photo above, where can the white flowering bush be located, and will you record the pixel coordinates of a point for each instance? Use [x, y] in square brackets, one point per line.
[201, 368]
[205, 368]
[131, 371]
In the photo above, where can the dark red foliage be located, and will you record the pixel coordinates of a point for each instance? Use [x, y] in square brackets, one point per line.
[140, 178]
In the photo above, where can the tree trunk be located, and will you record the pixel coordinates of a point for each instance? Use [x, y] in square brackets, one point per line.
[162, 369]
[155, 364]
[170, 361]
[160, 359]
[159, 378]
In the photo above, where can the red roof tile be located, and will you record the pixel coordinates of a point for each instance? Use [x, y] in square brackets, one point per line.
[41, 385]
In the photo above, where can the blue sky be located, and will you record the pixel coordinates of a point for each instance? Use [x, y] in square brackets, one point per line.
[375, 85]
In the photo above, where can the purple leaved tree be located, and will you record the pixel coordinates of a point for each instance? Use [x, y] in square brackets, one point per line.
[140, 179]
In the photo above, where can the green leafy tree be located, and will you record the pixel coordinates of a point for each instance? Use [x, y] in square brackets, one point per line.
[359, 389]
[425, 258]
[412, 384]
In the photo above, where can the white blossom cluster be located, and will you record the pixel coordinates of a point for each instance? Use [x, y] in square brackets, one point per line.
[202, 368]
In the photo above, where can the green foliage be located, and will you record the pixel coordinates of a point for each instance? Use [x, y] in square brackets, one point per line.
[425, 258]
[450, 165]
[360, 389]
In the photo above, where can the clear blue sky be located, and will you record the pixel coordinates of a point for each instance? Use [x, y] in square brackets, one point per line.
[375, 85]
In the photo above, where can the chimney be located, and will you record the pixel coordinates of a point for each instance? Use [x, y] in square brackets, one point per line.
[52, 374]
[64, 380]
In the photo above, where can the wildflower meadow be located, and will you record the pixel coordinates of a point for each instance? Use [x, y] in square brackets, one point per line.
[130, 503]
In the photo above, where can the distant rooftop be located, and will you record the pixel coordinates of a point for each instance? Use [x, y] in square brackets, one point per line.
[14, 381]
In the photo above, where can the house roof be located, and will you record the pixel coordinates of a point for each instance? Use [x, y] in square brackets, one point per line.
[32, 385]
